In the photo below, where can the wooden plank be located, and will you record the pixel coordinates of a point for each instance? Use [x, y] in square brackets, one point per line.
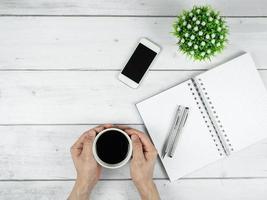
[122, 190]
[106, 43]
[78, 97]
[120, 7]
[42, 152]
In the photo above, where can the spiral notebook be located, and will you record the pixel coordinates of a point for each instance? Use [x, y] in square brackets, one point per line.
[228, 112]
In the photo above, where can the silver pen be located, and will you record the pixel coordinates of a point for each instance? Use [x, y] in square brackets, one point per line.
[175, 126]
[179, 130]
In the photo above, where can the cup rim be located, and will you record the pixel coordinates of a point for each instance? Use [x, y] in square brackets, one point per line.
[117, 165]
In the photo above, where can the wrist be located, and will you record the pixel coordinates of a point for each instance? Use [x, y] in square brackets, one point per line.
[147, 190]
[83, 186]
[82, 190]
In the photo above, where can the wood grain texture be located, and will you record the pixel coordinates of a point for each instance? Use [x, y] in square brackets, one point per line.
[35, 152]
[254, 189]
[106, 43]
[42, 152]
[128, 7]
[78, 97]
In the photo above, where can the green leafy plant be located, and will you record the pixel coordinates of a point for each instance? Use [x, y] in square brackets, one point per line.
[201, 32]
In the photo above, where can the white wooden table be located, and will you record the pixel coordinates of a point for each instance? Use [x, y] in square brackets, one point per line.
[58, 65]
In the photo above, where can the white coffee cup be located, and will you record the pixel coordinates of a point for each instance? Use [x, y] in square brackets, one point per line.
[117, 165]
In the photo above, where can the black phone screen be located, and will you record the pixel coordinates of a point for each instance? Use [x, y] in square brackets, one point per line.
[139, 62]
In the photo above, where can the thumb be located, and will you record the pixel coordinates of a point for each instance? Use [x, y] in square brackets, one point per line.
[137, 148]
[88, 143]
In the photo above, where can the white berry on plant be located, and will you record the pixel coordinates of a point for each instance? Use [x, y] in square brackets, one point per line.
[201, 32]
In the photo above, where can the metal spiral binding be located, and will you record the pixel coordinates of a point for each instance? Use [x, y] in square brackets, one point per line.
[215, 116]
[194, 91]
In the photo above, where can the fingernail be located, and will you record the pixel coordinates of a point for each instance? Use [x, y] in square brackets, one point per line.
[134, 137]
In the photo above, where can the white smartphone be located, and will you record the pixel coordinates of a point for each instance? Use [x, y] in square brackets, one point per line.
[139, 63]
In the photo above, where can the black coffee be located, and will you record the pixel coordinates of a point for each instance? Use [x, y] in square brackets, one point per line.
[112, 147]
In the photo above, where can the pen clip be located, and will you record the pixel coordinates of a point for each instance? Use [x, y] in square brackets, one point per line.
[178, 117]
[176, 122]
[187, 109]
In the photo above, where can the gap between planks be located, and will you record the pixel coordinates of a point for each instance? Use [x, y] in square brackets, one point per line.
[70, 124]
[103, 70]
[128, 179]
[123, 16]
[96, 69]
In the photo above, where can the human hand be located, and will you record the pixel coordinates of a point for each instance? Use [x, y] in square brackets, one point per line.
[142, 164]
[88, 170]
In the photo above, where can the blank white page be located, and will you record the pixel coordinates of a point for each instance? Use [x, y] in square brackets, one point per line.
[239, 98]
[196, 147]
